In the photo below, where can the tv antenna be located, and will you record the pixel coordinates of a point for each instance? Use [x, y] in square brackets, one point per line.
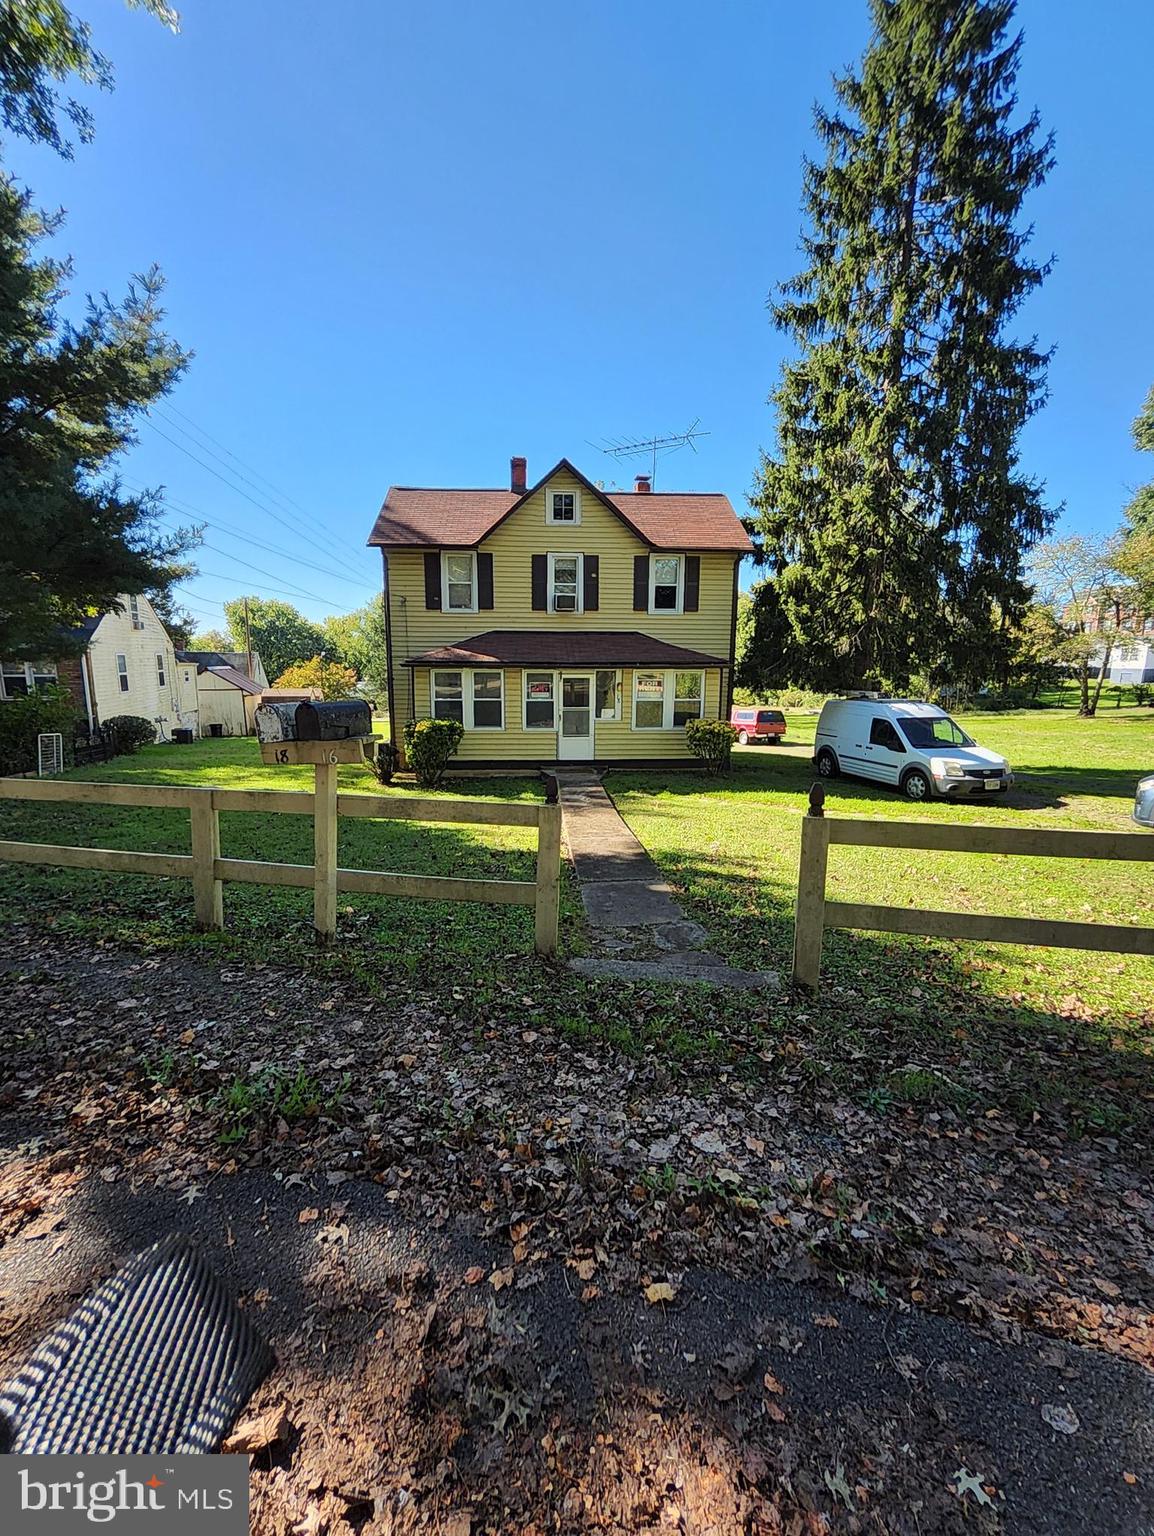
[651, 447]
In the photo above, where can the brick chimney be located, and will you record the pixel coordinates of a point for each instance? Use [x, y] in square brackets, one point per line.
[642, 485]
[517, 476]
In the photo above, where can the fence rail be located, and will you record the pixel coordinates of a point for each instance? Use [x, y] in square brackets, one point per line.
[207, 870]
[814, 913]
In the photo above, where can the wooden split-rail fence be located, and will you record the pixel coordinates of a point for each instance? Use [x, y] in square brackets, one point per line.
[207, 870]
[814, 913]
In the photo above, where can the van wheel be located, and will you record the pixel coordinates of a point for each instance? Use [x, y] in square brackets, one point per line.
[916, 785]
[743, 738]
[827, 764]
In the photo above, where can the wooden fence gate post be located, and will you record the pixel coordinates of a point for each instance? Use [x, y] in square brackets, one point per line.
[325, 852]
[548, 902]
[207, 891]
[809, 914]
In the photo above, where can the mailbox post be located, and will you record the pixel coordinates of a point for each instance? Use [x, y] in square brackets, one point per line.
[324, 735]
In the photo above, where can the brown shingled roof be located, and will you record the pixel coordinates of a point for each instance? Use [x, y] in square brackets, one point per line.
[561, 648]
[421, 517]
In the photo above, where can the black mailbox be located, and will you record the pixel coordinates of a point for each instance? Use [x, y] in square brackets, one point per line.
[337, 721]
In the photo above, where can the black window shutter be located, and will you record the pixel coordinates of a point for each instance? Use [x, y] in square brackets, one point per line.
[540, 583]
[691, 591]
[484, 581]
[432, 579]
[640, 583]
[592, 583]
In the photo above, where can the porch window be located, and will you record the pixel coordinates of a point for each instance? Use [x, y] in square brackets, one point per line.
[448, 699]
[488, 701]
[122, 672]
[476, 699]
[160, 669]
[665, 573]
[460, 579]
[687, 696]
[648, 701]
[565, 583]
[609, 695]
[540, 702]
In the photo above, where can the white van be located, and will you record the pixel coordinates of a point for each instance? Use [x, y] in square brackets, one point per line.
[915, 747]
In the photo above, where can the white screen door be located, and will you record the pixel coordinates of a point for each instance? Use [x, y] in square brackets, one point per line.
[575, 741]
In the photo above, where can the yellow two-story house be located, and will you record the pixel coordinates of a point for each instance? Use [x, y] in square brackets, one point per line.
[560, 622]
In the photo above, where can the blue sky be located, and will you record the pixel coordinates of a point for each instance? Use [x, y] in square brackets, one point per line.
[408, 241]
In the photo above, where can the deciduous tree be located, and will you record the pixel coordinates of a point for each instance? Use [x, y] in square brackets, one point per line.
[281, 634]
[333, 678]
[894, 514]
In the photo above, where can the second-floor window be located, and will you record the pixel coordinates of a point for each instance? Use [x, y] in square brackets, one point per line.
[160, 668]
[565, 583]
[134, 610]
[122, 672]
[459, 575]
[665, 584]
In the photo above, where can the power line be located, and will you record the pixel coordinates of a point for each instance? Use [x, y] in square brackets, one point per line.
[236, 489]
[175, 504]
[287, 501]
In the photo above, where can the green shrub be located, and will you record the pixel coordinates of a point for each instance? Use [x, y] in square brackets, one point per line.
[128, 733]
[712, 741]
[23, 719]
[429, 744]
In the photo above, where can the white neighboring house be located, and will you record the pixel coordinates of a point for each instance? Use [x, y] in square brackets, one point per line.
[1131, 658]
[130, 668]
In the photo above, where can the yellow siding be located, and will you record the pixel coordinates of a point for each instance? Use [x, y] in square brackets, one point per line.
[416, 628]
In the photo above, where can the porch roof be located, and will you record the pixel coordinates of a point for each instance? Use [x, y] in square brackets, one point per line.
[563, 648]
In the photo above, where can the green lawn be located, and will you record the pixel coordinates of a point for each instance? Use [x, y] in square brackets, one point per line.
[897, 1021]
[402, 935]
[733, 850]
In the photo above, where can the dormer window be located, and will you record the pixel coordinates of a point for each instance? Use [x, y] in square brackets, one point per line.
[562, 508]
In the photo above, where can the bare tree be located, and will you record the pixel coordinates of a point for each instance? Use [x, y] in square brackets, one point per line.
[1091, 597]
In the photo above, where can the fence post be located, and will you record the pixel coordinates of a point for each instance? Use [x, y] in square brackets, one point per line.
[325, 851]
[207, 892]
[548, 903]
[809, 914]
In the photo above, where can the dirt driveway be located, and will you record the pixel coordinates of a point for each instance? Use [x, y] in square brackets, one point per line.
[493, 1311]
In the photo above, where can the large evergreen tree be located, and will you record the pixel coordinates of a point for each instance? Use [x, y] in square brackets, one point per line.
[895, 515]
[69, 391]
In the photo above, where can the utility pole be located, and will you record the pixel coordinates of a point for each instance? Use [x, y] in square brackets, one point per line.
[247, 637]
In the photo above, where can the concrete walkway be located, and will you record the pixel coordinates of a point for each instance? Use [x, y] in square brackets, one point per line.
[639, 931]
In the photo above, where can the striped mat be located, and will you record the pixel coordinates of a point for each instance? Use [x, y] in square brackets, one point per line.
[159, 1358]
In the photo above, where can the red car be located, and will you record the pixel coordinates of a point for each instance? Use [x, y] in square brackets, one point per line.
[758, 724]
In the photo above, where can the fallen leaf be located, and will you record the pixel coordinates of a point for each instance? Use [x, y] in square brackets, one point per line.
[1128, 1477]
[967, 1483]
[313, 1523]
[825, 1320]
[258, 1433]
[837, 1484]
[474, 1274]
[660, 1290]
[310, 1213]
[586, 1269]
[772, 1384]
[500, 1278]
